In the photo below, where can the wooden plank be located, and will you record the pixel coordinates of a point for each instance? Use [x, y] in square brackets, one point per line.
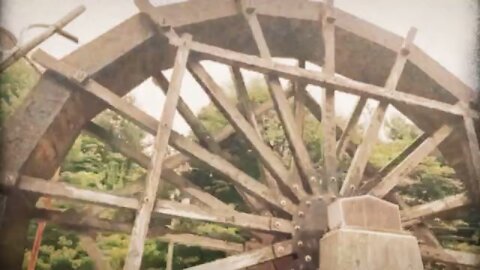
[474, 148]
[233, 218]
[246, 107]
[409, 163]
[191, 240]
[168, 174]
[169, 208]
[249, 258]
[88, 244]
[357, 168]
[450, 256]
[134, 256]
[351, 124]
[298, 148]
[329, 125]
[369, 184]
[436, 207]
[340, 83]
[178, 141]
[270, 159]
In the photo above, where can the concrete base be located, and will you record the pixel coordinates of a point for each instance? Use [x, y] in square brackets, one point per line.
[352, 249]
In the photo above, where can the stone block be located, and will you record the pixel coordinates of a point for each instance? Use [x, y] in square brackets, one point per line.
[351, 249]
[365, 212]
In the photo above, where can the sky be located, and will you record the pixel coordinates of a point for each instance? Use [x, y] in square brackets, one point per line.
[446, 31]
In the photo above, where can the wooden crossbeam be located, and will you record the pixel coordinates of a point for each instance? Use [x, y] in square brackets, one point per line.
[413, 159]
[357, 168]
[168, 174]
[369, 184]
[436, 207]
[450, 256]
[249, 258]
[271, 161]
[340, 83]
[329, 125]
[351, 124]
[168, 208]
[178, 141]
[191, 240]
[246, 107]
[473, 145]
[298, 148]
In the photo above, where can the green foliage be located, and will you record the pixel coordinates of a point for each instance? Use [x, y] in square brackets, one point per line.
[15, 83]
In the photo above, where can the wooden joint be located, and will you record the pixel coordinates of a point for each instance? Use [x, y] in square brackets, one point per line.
[328, 14]
[405, 49]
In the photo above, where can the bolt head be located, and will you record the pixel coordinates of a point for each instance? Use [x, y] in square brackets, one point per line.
[308, 203]
[283, 202]
[296, 228]
[295, 186]
[308, 258]
[312, 179]
[301, 214]
[280, 249]
[300, 243]
[276, 224]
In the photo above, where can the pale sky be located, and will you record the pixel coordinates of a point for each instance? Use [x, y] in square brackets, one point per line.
[446, 31]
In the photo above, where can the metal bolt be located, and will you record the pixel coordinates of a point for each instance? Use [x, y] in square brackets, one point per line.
[308, 258]
[280, 249]
[283, 202]
[312, 179]
[301, 214]
[295, 186]
[333, 179]
[296, 228]
[308, 203]
[300, 243]
[276, 224]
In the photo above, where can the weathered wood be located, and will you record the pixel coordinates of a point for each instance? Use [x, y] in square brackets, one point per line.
[169, 258]
[176, 140]
[473, 145]
[357, 168]
[249, 258]
[436, 207]
[340, 83]
[134, 256]
[169, 208]
[329, 125]
[369, 184]
[271, 161]
[246, 107]
[450, 256]
[352, 122]
[55, 28]
[411, 161]
[293, 134]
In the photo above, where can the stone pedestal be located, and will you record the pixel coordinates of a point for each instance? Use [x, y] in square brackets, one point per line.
[366, 234]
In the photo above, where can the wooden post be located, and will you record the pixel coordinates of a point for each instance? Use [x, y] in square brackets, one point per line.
[140, 228]
[169, 259]
[329, 125]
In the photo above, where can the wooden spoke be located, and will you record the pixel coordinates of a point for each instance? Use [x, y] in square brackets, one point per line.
[369, 184]
[329, 126]
[234, 218]
[246, 107]
[340, 83]
[204, 136]
[450, 256]
[133, 259]
[412, 160]
[436, 207]
[249, 258]
[299, 151]
[352, 122]
[88, 243]
[176, 140]
[359, 161]
[168, 174]
[269, 158]
[472, 138]
[168, 208]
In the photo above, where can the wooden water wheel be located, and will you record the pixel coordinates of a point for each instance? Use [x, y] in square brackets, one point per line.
[356, 57]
